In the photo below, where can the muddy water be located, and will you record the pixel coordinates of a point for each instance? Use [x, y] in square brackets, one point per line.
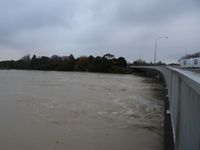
[79, 111]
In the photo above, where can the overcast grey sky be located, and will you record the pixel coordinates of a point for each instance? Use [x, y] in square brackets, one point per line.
[125, 28]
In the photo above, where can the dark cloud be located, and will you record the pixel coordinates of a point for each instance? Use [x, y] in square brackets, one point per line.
[123, 27]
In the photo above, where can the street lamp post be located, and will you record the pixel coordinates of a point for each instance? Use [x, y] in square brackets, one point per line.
[155, 50]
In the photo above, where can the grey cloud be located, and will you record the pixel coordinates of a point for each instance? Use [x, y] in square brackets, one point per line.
[124, 27]
[145, 12]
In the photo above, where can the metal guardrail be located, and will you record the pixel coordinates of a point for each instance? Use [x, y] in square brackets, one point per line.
[184, 106]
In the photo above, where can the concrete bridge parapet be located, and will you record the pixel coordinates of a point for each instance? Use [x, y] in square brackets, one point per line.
[184, 105]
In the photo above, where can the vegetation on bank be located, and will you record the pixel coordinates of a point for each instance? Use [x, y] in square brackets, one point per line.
[107, 63]
[141, 62]
[188, 56]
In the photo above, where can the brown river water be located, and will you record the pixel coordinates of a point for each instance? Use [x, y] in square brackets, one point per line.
[79, 111]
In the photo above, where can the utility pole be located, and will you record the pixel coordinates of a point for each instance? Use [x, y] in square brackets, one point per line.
[155, 49]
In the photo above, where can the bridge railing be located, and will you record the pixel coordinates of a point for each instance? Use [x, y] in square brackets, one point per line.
[184, 106]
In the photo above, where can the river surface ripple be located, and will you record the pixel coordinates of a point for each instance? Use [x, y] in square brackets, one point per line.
[79, 111]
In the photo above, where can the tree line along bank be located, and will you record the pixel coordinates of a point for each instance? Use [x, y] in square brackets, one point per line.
[107, 63]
